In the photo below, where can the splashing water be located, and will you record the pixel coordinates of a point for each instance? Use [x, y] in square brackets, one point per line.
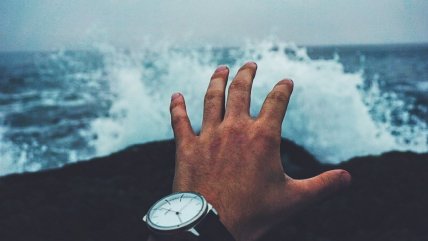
[329, 113]
[326, 115]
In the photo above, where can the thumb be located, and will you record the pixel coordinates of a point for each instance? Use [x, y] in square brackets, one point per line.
[325, 184]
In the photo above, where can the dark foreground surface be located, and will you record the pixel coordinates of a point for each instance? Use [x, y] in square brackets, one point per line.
[105, 198]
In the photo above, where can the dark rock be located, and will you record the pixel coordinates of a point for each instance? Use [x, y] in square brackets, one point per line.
[297, 161]
[105, 198]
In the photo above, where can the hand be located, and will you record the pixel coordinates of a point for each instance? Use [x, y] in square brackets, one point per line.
[235, 161]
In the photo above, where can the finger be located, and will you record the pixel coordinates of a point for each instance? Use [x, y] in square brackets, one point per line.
[323, 185]
[179, 119]
[276, 102]
[238, 99]
[214, 98]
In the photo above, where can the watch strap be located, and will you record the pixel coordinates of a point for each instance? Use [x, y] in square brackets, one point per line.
[212, 229]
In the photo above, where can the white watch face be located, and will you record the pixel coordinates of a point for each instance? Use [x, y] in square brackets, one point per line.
[176, 211]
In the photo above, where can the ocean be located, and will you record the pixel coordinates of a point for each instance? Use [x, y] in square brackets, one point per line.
[64, 106]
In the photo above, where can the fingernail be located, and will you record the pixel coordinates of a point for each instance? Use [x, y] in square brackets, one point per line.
[254, 64]
[175, 96]
[285, 81]
[221, 68]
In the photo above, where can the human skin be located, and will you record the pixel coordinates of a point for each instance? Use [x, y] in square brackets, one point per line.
[235, 160]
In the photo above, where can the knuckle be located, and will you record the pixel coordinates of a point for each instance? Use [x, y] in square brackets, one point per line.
[267, 137]
[185, 152]
[239, 85]
[214, 94]
[176, 104]
[266, 132]
[212, 101]
[278, 96]
[230, 126]
[179, 119]
[233, 127]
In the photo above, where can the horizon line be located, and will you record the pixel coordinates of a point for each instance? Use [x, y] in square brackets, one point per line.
[231, 46]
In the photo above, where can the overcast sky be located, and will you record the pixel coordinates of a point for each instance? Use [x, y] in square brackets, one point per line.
[52, 24]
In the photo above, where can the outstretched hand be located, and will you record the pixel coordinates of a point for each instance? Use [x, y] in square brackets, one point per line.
[235, 160]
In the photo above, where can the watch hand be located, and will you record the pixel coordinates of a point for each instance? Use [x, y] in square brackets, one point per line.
[162, 208]
[178, 216]
[187, 204]
[167, 209]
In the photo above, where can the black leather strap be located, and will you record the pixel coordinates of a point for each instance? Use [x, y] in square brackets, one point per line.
[212, 229]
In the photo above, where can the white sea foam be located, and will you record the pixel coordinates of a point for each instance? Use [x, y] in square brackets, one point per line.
[329, 113]
[14, 158]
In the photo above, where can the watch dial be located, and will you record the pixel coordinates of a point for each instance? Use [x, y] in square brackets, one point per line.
[176, 210]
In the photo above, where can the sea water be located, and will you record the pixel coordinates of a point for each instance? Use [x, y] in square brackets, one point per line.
[64, 106]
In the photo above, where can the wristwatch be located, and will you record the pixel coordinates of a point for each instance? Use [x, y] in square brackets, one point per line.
[185, 215]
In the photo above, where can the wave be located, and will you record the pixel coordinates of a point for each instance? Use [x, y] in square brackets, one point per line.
[330, 113]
